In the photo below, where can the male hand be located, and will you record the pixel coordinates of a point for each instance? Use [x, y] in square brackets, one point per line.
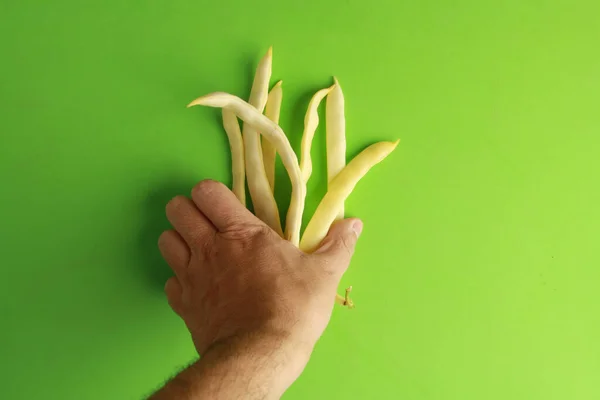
[238, 284]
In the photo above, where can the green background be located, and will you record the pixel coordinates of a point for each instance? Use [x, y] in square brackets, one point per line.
[477, 275]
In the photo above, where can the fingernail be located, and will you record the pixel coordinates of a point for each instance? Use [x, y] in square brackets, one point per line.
[357, 227]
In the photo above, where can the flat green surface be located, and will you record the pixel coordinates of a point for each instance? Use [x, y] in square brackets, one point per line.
[478, 273]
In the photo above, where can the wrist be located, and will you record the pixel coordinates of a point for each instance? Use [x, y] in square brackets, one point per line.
[267, 347]
[269, 361]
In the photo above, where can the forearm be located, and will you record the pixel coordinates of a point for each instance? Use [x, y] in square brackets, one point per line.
[257, 368]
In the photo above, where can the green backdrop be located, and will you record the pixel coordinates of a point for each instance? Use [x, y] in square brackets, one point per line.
[477, 275]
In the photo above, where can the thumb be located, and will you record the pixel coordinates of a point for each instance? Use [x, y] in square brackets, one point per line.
[340, 241]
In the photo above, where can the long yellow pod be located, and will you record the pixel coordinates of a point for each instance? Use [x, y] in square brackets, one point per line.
[232, 128]
[272, 132]
[311, 121]
[263, 200]
[268, 150]
[335, 121]
[339, 189]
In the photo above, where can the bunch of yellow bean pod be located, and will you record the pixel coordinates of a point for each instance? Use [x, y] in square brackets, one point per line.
[254, 149]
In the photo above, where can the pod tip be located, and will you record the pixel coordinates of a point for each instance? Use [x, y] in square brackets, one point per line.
[216, 99]
[196, 102]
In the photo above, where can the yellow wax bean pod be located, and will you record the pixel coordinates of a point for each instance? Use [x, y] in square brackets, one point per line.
[311, 121]
[339, 189]
[263, 201]
[273, 133]
[232, 128]
[268, 150]
[335, 122]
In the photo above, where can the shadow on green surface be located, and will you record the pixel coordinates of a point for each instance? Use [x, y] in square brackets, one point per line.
[154, 269]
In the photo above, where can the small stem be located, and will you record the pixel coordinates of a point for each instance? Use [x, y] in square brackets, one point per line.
[345, 300]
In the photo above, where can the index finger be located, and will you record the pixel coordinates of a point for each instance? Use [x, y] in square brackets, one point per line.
[220, 205]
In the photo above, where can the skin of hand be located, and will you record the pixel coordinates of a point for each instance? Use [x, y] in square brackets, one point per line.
[255, 304]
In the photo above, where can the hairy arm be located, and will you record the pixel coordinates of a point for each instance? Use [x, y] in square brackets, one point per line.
[255, 305]
[262, 367]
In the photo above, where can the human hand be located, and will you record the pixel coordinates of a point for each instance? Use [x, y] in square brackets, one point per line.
[236, 279]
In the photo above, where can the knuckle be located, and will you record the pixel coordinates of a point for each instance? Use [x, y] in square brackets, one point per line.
[261, 230]
[175, 204]
[249, 233]
[346, 243]
[228, 220]
[204, 247]
[261, 234]
[207, 249]
[328, 270]
[163, 239]
[206, 186]
[172, 288]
